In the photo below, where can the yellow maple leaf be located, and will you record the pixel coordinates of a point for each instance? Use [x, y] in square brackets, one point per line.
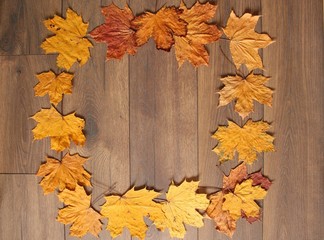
[63, 174]
[244, 41]
[59, 128]
[78, 212]
[69, 40]
[162, 26]
[181, 208]
[129, 211]
[224, 222]
[191, 46]
[244, 91]
[54, 86]
[247, 141]
[243, 199]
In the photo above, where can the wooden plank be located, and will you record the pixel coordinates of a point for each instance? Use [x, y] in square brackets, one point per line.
[101, 97]
[22, 30]
[25, 212]
[294, 205]
[18, 152]
[210, 117]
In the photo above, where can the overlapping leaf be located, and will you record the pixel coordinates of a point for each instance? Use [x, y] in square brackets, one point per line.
[59, 128]
[162, 26]
[244, 91]
[244, 41]
[191, 46]
[69, 40]
[247, 141]
[54, 85]
[63, 174]
[116, 32]
[79, 213]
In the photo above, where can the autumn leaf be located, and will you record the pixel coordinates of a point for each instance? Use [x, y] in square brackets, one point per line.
[191, 46]
[116, 32]
[78, 212]
[129, 211]
[162, 26]
[224, 222]
[53, 85]
[247, 141]
[244, 41]
[244, 91]
[237, 175]
[69, 40]
[181, 208]
[59, 128]
[63, 174]
[259, 179]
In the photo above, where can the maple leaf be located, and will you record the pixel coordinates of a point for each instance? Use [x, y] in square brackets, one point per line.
[247, 141]
[69, 40]
[244, 41]
[129, 211]
[162, 26]
[54, 86]
[244, 91]
[259, 179]
[180, 208]
[59, 128]
[237, 175]
[224, 222]
[78, 212]
[191, 46]
[63, 174]
[116, 32]
[243, 199]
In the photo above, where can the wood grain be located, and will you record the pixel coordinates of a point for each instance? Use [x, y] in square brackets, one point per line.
[294, 206]
[22, 30]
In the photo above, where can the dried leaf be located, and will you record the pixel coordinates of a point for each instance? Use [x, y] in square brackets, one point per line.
[191, 46]
[79, 213]
[244, 91]
[243, 199]
[180, 208]
[116, 32]
[129, 211]
[237, 175]
[162, 26]
[63, 174]
[224, 222]
[244, 41]
[69, 40]
[259, 179]
[54, 85]
[59, 128]
[247, 141]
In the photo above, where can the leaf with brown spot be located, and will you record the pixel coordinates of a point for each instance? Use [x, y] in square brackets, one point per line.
[116, 31]
[191, 47]
[162, 26]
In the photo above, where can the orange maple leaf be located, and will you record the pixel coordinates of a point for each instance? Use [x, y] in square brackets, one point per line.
[78, 212]
[54, 85]
[191, 46]
[244, 41]
[63, 174]
[59, 128]
[116, 32]
[244, 91]
[162, 26]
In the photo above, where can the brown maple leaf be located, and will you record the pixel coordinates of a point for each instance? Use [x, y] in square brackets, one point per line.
[191, 46]
[116, 31]
[79, 213]
[237, 175]
[244, 91]
[59, 128]
[54, 85]
[63, 174]
[259, 179]
[162, 26]
[244, 41]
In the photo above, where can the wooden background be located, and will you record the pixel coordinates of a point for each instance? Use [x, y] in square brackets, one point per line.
[148, 122]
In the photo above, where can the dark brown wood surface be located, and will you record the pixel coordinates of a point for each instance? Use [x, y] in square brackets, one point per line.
[149, 122]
